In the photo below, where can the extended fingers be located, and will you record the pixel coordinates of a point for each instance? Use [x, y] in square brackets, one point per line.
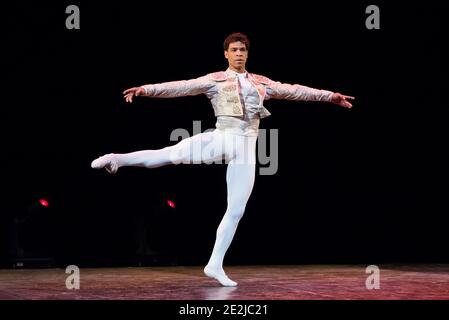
[347, 104]
[129, 97]
[130, 90]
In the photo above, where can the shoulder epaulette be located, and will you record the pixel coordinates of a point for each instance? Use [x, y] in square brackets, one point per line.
[218, 76]
[261, 79]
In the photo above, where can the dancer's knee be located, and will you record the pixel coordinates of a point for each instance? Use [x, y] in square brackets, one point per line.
[156, 158]
[236, 212]
[179, 153]
[174, 154]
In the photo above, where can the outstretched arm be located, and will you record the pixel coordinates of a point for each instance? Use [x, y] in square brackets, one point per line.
[278, 90]
[171, 89]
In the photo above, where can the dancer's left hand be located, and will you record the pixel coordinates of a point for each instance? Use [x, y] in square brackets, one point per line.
[133, 92]
[342, 100]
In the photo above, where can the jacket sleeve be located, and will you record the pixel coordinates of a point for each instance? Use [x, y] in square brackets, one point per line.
[181, 88]
[278, 90]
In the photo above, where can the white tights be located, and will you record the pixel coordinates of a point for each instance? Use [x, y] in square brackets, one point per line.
[238, 151]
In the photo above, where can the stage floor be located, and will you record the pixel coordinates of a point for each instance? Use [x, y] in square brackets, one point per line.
[298, 282]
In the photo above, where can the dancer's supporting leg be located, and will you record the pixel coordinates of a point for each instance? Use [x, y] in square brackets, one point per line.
[240, 180]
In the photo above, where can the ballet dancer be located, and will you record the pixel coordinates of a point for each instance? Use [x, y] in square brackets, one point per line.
[237, 98]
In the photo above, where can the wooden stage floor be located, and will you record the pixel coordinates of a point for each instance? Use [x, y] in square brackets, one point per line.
[298, 282]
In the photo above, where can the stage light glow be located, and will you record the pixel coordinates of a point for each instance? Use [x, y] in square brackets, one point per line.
[171, 204]
[44, 202]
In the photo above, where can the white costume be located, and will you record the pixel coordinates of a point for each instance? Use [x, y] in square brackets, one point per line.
[237, 99]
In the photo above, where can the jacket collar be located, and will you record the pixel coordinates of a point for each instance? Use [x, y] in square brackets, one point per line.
[233, 74]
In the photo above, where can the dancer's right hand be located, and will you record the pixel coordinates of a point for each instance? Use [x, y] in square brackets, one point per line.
[130, 93]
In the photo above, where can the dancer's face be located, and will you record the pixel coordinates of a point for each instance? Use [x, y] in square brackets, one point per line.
[237, 56]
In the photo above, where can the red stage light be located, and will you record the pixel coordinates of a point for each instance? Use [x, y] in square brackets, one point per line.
[171, 204]
[43, 202]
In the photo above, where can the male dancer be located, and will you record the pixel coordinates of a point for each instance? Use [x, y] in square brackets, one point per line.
[237, 98]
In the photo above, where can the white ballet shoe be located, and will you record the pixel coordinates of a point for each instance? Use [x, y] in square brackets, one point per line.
[107, 161]
[220, 276]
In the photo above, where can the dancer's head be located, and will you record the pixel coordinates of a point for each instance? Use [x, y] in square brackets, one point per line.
[236, 47]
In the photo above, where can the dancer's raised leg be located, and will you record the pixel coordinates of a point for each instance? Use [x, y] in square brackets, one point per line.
[189, 150]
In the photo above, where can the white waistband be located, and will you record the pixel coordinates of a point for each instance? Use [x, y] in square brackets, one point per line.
[234, 125]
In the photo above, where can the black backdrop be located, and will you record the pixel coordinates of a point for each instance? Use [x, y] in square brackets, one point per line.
[353, 186]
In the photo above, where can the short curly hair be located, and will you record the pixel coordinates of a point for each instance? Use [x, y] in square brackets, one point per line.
[235, 37]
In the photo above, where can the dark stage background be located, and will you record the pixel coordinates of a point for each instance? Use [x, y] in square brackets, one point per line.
[367, 185]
